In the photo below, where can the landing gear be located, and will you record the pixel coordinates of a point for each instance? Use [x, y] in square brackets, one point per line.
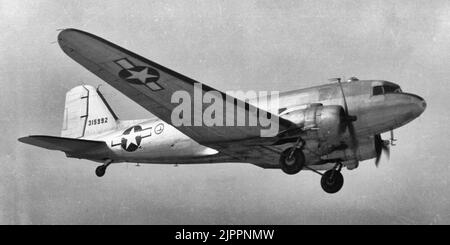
[101, 170]
[332, 180]
[292, 160]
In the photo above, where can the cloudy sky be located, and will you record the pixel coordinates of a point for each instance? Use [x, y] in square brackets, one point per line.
[261, 45]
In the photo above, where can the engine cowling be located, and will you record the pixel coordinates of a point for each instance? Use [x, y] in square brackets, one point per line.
[324, 122]
[366, 150]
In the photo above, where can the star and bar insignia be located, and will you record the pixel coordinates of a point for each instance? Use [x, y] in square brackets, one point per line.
[131, 138]
[141, 75]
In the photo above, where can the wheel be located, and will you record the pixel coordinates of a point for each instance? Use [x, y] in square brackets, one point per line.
[292, 164]
[100, 171]
[332, 181]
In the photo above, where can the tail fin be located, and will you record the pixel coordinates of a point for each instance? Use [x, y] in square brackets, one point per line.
[86, 113]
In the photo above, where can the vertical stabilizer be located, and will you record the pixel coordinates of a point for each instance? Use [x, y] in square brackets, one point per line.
[86, 113]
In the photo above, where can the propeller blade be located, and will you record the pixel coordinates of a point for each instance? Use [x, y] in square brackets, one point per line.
[386, 148]
[343, 96]
[378, 148]
[381, 146]
[377, 161]
[349, 120]
[351, 130]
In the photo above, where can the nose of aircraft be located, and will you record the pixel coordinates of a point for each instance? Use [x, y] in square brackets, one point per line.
[418, 103]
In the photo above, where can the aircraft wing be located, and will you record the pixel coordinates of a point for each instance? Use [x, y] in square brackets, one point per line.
[152, 85]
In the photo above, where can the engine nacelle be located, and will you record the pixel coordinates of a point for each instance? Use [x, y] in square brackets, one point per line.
[366, 150]
[325, 122]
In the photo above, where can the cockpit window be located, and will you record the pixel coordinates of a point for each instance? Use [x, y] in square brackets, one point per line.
[391, 89]
[386, 89]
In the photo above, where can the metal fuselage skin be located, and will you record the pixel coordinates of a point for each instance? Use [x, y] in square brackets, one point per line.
[376, 114]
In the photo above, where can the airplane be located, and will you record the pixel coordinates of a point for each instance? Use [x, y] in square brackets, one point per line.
[321, 129]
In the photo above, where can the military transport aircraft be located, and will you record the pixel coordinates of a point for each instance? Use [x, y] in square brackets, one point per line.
[321, 128]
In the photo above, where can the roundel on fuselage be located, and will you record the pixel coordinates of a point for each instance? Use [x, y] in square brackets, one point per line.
[131, 138]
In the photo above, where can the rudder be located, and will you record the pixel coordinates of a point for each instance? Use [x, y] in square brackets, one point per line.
[86, 113]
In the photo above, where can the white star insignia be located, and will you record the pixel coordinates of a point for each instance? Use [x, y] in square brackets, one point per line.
[131, 138]
[141, 75]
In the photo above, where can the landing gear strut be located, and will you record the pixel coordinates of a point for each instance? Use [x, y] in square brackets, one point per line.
[101, 170]
[332, 180]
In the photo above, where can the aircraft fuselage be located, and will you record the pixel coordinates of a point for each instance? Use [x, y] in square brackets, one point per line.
[159, 142]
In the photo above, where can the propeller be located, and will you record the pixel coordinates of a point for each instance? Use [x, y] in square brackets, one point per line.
[380, 147]
[348, 118]
[380, 144]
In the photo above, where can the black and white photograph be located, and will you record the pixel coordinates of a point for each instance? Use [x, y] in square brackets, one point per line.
[224, 112]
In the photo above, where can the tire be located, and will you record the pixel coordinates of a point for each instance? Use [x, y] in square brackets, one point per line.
[100, 171]
[332, 184]
[292, 165]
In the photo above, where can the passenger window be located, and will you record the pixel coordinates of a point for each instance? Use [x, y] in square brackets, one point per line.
[377, 90]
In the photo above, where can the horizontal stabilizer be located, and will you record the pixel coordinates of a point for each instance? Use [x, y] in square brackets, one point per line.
[62, 144]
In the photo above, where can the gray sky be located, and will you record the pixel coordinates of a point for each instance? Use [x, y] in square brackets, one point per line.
[261, 45]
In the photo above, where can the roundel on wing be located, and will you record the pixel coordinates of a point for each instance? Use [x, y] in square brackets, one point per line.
[139, 75]
[131, 138]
